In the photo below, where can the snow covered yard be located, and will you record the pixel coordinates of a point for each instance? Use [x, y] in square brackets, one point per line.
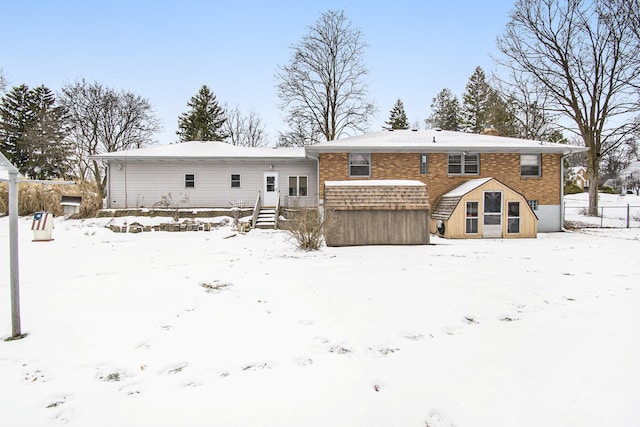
[191, 329]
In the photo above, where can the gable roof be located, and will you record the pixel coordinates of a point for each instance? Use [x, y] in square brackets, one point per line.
[205, 150]
[437, 141]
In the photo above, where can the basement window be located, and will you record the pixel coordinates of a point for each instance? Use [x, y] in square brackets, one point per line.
[533, 204]
[360, 165]
[189, 180]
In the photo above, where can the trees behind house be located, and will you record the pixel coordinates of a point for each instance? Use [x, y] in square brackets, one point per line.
[585, 56]
[244, 130]
[104, 120]
[33, 132]
[323, 88]
[445, 111]
[205, 119]
[398, 117]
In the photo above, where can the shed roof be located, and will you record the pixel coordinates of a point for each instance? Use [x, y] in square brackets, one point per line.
[437, 141]
[205, 150]
[376, 195]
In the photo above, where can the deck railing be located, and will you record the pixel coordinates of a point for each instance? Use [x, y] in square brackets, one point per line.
[277, 213]
[256, 211]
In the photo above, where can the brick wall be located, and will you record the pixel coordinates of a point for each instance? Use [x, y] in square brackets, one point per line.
[504, 167]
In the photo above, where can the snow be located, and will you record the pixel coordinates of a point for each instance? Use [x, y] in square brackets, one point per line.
[209, 149]
[376, 183]
[464, 188]
[192, 329]
[613, 210]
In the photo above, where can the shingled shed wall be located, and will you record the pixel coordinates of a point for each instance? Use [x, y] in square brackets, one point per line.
[377, 213]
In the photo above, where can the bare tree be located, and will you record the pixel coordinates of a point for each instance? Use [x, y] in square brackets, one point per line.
[104, 120]
[247, 131]
[324, 87]
[586, 57]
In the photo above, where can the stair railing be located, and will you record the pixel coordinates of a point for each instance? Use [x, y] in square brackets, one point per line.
[277, 213]
[256, 211]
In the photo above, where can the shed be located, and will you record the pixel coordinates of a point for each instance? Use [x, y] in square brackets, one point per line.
[483, 208]
[377, 212]
[71, 204]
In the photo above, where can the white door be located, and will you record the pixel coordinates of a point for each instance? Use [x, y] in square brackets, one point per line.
[270, 189]
[492, 214]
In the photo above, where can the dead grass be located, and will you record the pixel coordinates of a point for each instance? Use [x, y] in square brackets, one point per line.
[45, 197]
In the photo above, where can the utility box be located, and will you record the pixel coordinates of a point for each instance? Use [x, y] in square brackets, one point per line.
[42, 227]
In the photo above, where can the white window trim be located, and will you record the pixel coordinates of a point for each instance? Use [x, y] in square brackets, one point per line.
[297, 177]
[360, 176]
[463, 157]
[425, 157]
[239, 181]
[194, 180]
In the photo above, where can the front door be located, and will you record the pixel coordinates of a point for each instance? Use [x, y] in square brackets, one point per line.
[270, 189]
[492, 214]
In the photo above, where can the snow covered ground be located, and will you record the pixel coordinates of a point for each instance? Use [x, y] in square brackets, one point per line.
[192, 329]
[614, 209]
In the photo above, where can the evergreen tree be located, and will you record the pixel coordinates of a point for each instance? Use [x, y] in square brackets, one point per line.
[445, 111]
[398, 117]
[15, 118]
[32, 133]
[475, 103]
[204, 120]
[501, 115]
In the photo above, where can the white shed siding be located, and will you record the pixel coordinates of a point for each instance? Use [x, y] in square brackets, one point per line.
[141, 183]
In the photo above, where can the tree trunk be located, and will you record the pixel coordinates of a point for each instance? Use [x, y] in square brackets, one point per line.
[593, 167]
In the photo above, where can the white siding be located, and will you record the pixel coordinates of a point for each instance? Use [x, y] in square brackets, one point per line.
[142, 183]
[548, 218]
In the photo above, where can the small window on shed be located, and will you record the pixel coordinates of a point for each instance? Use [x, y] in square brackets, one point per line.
[359, 165]
[189, 180]
[424, 164]
[471, 226]
[513, 217]
[235, 180]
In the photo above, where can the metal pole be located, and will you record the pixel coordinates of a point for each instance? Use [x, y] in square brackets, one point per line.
[13, 254]
[628, 215]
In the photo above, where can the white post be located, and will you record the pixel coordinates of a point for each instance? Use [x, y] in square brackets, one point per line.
[13, 254]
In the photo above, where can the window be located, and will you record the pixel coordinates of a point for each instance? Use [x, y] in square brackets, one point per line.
[189, 180]
[359, 164]
[235, 180]
[533, 204]
[472, 218]
[513, 217]
[298, 186]
[424, 164]
[464, 164]
[529, 165]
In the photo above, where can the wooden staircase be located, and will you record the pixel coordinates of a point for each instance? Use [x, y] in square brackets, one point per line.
[266, 218]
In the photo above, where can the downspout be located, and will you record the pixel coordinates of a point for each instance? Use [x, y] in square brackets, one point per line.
[562, 190]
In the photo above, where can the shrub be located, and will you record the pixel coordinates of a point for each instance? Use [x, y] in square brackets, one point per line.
[35, 197]
[571, 188]
[608, 190]
[307, 226]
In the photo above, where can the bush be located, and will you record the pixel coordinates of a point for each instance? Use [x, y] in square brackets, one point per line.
[609, 190]
[307, 226]
[571, 188]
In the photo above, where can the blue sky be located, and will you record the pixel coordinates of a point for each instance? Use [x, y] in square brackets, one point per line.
[166, 50]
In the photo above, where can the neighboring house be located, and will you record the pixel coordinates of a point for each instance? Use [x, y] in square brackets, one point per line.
[215, 174]
[444, 160]
[630, 177]
[578, 176]
[209, 174]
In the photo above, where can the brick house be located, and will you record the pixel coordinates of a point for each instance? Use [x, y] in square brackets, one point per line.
[444, 160]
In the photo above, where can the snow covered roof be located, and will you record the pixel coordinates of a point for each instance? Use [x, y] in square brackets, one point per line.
[205, 150]
[437, 141]
[376, 183]
[466, 187]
